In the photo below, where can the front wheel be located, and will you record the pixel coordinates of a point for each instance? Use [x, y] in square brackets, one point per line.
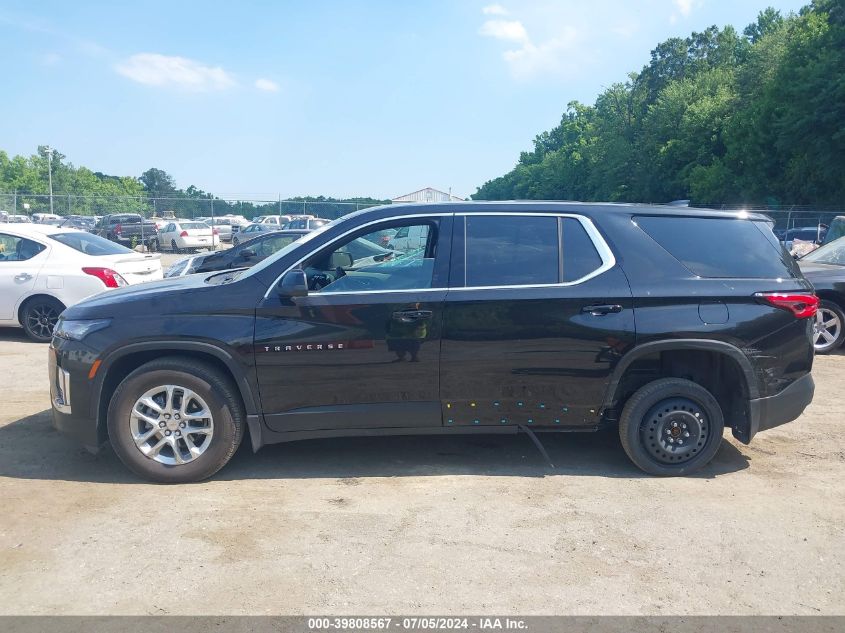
[175, 420]
[829, 328]
[671, 427]
[39, 318]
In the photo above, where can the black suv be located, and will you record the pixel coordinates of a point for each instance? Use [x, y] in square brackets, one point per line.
[537, 316]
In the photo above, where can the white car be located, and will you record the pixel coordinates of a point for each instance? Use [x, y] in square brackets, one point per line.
[277, 221]
[179, 235]
[409, 238]
[44, 269]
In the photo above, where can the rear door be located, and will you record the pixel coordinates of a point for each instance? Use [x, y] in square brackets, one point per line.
[536, 317]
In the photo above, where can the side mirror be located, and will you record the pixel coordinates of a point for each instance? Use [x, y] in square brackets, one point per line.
[339, 259]
[247, 253]
[293, 284]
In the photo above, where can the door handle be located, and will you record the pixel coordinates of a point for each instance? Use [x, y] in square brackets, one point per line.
[23, 277]
[412, 315]
[601, 310]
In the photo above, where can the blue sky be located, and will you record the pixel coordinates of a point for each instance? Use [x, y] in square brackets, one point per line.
[380, 98]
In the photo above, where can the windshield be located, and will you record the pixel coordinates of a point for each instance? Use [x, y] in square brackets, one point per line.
[89, 243]
[833, 253]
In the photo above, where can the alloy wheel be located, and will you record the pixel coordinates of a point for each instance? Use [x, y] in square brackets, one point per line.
[41, 319]
[826, 330]
[171, 424]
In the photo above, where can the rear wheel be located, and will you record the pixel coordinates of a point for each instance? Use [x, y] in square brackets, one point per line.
[829, 328]
[175, 420]
[671, 427]
[173, 246]
[39, 317]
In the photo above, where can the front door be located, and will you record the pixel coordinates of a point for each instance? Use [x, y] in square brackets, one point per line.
[362, 349]
[536, 317]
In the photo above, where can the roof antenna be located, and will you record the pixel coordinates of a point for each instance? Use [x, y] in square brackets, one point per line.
[537, 443]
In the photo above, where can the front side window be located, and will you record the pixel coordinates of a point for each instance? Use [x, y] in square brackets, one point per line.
[271, 245]
[18, 249]
[359, 264]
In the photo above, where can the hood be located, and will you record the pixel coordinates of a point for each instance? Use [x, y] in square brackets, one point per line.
[150, 297]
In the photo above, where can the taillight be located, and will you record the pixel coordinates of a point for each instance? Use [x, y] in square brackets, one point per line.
[802, 305]
[109, 277]
[118, 229]
[183, 234]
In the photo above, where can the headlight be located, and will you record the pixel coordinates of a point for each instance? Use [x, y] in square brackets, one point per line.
[78, 330]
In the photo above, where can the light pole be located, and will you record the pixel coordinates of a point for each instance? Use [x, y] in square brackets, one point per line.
[49, 151]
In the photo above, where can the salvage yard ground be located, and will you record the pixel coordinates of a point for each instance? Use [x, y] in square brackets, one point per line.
[422, 525]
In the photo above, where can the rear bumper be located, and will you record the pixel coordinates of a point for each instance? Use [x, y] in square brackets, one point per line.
[786, 406]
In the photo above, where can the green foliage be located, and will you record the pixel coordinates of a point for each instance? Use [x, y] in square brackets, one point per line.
[718, 117]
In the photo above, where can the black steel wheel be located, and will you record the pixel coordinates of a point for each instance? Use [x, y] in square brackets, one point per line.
[39, 317]
[671, 426]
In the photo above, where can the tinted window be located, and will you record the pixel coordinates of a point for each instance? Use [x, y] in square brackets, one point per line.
[511, 251]
[89, 243]
[18, 249]
[717, 247]
[580, 256]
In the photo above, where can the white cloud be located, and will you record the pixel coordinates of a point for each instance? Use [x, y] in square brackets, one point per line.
[684, 8]
[530, 58]
[153, 69]
[535, 59]
[494, 9]
[266, 85]
[510, 30]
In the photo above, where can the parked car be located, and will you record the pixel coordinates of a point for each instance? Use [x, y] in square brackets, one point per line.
[81, 222]
[224, 227]
[836, 229]
[128, 228]
[811, 234]
[182, 235]
[44, 269]
[248, 253]
[518, 317]
[825, 268]
[408, 238]
[248, 232]
[18, 219]
[44, 218]
[278, 221]
[309, 223]
[243, 255]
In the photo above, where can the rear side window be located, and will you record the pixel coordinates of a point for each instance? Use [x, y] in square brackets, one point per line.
[719, 247]
[511, 250]
[89, 243]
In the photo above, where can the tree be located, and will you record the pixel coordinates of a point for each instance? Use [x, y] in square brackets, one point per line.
[157, 182]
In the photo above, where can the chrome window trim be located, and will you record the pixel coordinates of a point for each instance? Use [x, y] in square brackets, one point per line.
[601, 246]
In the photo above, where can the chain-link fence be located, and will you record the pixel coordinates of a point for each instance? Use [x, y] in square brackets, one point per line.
[169, 207]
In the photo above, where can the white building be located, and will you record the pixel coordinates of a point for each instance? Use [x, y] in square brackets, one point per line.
[429, 194]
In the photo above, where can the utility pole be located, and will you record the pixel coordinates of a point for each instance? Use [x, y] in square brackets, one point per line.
[49, 151]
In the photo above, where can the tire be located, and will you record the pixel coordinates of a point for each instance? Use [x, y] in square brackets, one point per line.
[235, 241]
[39, 316]
[154, 245]
[173, 246]
[219, 433]
[829, 328]
[671, 427]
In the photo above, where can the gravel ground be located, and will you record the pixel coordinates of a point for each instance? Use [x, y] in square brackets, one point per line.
[421, 525]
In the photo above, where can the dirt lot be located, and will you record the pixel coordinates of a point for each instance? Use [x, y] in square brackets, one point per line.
[433, 525]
